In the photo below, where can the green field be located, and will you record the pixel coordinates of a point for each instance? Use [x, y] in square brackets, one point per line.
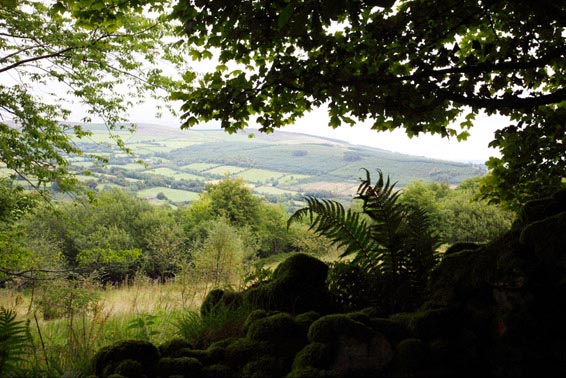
[168, 172]
[272, 190]
[226, 169]
[174, 195]
[292, 179]
[280, 164]
[259, 175]
[201, 167]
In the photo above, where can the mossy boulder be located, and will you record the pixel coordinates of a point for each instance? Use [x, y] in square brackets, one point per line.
[252, 317]
[358, 348]
[546, 239]
[298, 285]
[461, 246]
[243, 350]
[267, 366]
[427, 324]
[218, 371]
[329, 328]
[130, 369]
[411, 356]
[305, 320]
[174, 347]
[220, 300]
[179, 366]
[394, 331]
[311, 372]
[316, 355]
[275, 329]
[107, 359]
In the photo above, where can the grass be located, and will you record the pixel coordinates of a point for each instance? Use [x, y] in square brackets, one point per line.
[145, 310]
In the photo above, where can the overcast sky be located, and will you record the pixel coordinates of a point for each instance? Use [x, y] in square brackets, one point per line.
[475, 149]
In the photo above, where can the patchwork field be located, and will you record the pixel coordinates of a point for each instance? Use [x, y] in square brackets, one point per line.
[178, 163]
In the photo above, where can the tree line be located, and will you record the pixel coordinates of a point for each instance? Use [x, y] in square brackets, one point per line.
[227, 229]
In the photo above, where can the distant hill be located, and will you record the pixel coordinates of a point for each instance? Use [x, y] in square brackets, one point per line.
[282, 165]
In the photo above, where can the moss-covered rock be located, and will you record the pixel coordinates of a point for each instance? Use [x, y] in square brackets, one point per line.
[243, 350]
[218, 371]
[546, 239]
[311, 372]
[174, 347]
[394, 331]
[130, 369]
[305, 320]
[252, 317]
[275, 329]
[461, 246]
[206, 357]
[330, 327]
[182, 366]
[298, 285]
[267, 366]
[107, 359]
[358, 348]
[219, 300]
[317, 355]
[427, 324]
[412, 355]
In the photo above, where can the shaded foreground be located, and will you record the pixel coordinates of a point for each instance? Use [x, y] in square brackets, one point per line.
[492, 311]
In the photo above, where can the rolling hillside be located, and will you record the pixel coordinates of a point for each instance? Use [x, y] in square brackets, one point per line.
[175, 164]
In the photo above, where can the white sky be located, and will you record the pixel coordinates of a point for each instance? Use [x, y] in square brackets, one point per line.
[475, 149]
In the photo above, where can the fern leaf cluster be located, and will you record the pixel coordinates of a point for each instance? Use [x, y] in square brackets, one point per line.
[387, 238]
[14, 340]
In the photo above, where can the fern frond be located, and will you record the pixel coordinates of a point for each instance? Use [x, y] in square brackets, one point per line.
[13, 342]
[345, 228]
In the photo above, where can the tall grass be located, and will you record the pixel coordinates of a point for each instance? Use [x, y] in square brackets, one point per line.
[90, 317]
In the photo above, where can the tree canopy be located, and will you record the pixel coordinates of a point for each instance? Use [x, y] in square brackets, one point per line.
[427, 66]
[104, 55]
